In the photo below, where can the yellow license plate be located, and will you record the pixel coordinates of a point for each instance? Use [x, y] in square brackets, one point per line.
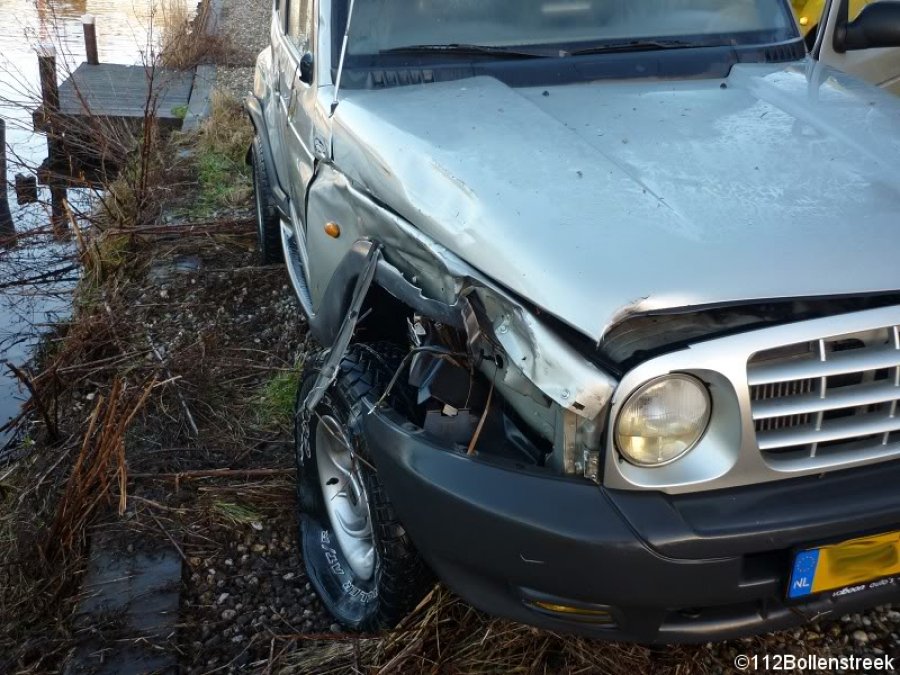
[851, 566]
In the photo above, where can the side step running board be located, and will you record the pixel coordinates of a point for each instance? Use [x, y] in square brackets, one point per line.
[295, 269]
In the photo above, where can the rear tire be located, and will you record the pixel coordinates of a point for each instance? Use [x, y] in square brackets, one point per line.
[358, 555]
[268, 224]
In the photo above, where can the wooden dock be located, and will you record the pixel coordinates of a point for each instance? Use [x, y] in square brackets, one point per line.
[92, 118]
[122, 93]
[110, 90]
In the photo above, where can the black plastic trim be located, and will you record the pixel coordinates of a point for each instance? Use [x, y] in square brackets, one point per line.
[494, 534]
[777, 515]
[326, 324]
[253, 106]
[367, 72]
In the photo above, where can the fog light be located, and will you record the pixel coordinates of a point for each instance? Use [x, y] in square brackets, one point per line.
[558, 608]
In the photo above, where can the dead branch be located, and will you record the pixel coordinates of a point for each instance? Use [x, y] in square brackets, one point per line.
[170, 538]
[100, 461]
[214, 473]
[52, 428]
[234, 226]
[181, 401]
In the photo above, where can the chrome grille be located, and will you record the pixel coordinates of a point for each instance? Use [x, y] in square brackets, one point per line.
[835, 396]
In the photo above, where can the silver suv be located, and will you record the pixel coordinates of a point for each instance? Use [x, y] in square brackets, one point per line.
[609, 298]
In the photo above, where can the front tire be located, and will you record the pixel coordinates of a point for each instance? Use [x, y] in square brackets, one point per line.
[358, 555]
[268, 225]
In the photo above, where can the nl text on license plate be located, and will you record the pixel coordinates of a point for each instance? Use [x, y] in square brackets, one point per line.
[845, 568]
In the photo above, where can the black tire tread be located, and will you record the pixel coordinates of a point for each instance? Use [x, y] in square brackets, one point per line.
[365, 372]
[270, 249]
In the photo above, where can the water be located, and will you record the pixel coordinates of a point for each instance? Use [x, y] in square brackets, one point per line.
[127, 30]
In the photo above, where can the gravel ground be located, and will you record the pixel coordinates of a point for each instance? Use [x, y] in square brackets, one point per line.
[245, 591]
[245, 25]
[225, 328]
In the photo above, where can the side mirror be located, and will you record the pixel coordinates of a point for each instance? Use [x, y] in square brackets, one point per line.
[878, 25]
[306, 68]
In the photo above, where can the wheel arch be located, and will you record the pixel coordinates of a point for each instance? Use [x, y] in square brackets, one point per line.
[344, 225]
[253, 107]
[389, 292]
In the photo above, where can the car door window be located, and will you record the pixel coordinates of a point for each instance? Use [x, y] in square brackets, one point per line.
[299, 25]
[283, 6]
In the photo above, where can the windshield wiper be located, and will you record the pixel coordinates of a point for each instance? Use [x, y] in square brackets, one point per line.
[471, 50]
[635, 46]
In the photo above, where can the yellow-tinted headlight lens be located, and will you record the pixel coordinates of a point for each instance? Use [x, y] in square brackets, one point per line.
[663, 420]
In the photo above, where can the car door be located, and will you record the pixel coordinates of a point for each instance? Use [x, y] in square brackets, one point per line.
[879, 65]
[282, 76]
[299, 131]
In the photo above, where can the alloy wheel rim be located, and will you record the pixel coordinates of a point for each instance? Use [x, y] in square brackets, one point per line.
[345, 497]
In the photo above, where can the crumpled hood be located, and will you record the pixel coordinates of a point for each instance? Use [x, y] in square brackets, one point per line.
[599, 200]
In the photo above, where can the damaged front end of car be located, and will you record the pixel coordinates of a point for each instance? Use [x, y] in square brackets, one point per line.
[575, 445]
[493, 379]
[542, 473]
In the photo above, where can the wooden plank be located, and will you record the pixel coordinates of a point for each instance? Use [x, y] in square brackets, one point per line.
[198, 108]
[111, 90]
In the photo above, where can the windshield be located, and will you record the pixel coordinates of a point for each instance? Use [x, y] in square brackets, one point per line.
[380, 25]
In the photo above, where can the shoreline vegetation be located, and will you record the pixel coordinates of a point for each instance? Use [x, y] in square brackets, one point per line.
[160, 424]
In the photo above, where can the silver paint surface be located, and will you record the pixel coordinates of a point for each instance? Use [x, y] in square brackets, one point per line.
[601, 200]
[729, 455]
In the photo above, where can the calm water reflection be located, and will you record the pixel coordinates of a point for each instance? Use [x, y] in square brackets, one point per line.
[126, 29]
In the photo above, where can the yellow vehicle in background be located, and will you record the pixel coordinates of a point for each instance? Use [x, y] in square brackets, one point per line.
[809, 13]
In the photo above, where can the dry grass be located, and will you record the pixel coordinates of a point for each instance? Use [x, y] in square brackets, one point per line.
[32, 621]
[445, 635]
[48, 500]
[53, 492]
[130, 199]
[227, 131]
[186, 41]
[99, 465]
[222, 172]
[97, 373]
[90, 384]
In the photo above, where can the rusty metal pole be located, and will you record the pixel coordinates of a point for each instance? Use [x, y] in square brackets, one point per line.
[7, 228]
[90, 39]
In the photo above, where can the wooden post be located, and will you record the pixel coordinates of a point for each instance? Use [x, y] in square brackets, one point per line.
[58, 196]
[49, 85]
[90, 39]
[7, 228]
[50, 98]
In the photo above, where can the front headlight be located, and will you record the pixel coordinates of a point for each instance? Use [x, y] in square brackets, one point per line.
[663, 420]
